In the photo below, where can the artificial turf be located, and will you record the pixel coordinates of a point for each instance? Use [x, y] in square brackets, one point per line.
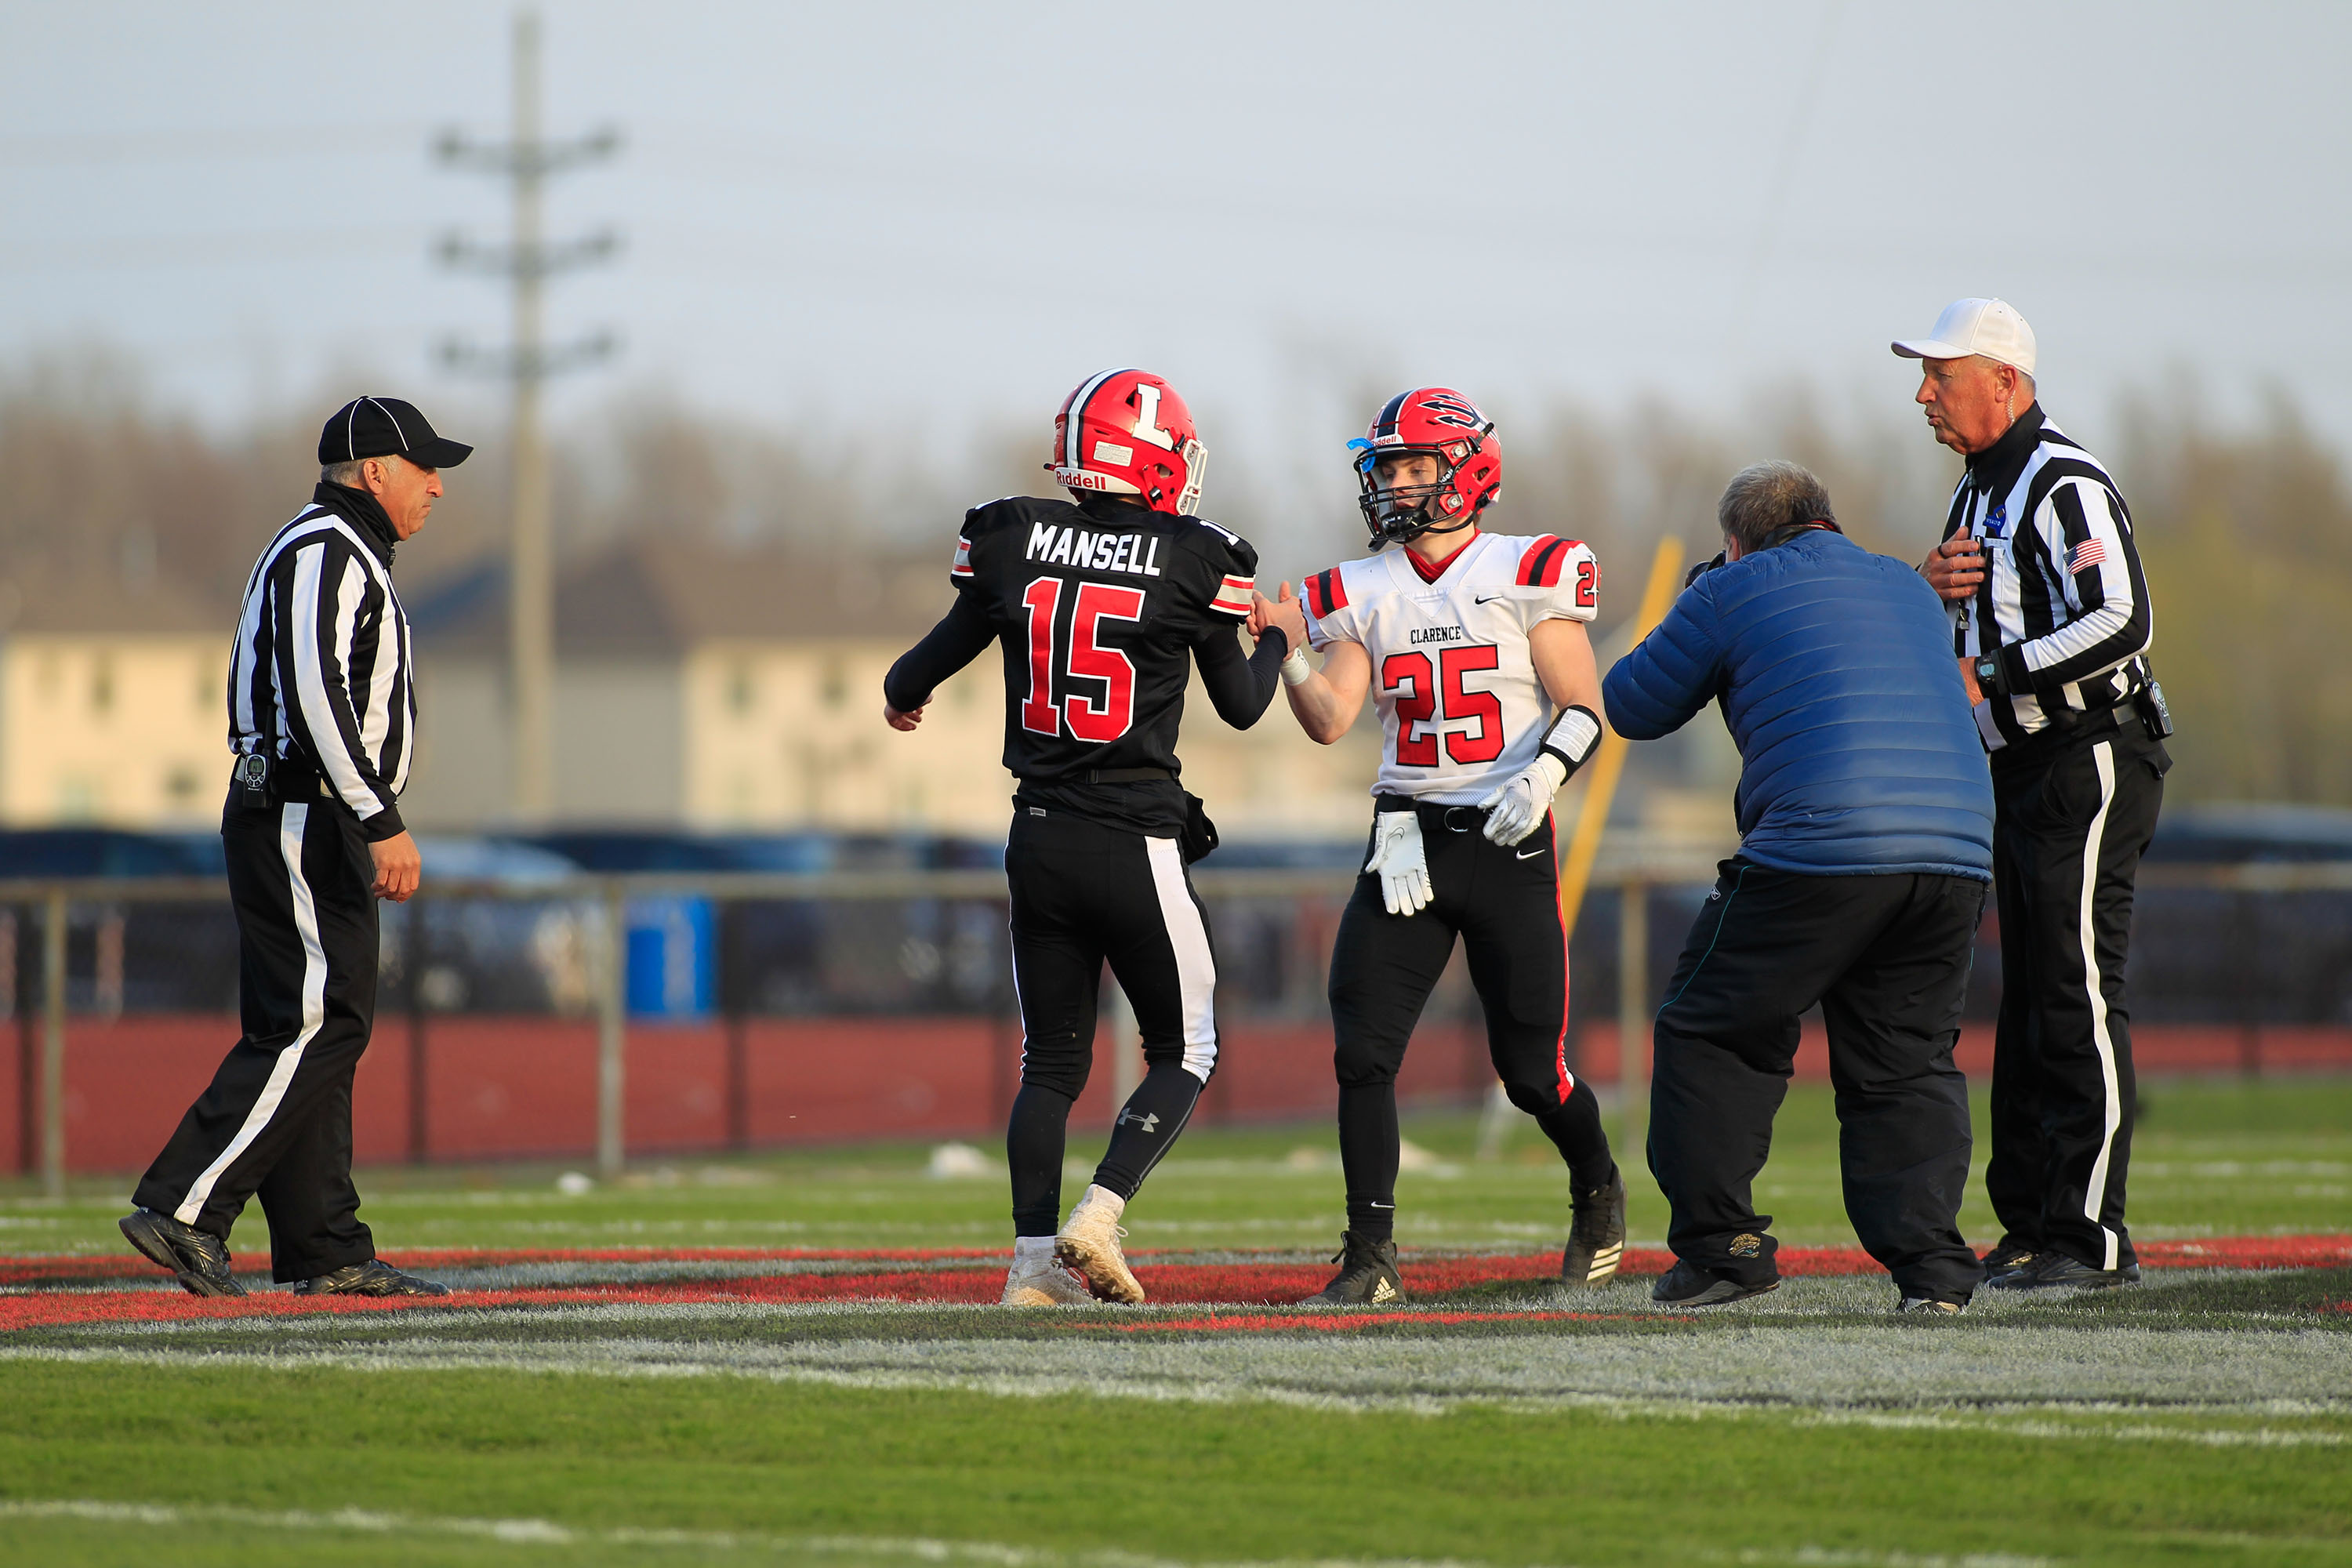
[1183, 1481]
[492, 1465]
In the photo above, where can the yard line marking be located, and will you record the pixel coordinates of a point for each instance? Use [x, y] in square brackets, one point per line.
[546, 1533]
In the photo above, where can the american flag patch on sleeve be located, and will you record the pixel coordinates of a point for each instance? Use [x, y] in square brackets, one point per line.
[962, 567]
[1233, 596]
[2089, 554]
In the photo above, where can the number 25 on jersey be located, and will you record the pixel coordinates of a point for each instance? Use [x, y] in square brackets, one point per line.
[1422, 700]
[1060, 651]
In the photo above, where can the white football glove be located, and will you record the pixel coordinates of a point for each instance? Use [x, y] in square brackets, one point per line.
[1515, 810]
[1397, 856]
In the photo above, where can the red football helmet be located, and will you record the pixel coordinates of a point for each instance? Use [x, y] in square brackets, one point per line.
[1126, 432]
[1446, 425]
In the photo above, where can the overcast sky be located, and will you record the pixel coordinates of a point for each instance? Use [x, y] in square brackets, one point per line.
[928, 219]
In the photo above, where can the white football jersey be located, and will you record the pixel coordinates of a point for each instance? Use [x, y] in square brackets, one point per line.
[1461, 708]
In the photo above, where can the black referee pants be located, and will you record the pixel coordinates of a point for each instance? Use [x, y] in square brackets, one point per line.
[2072, 816]
[1888, 959]
[1084, 894]
[275, 1121]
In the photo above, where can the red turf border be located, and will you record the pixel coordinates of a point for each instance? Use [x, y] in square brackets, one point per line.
[41, 1292]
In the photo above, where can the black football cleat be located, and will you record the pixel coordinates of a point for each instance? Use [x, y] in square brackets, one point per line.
[1688, 1285]
[197, 1259]
[1368, 1275]
[2050, 1270]
[1596, 1238]
[373, 1278]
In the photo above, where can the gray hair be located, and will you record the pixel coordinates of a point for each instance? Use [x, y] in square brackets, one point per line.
[1765, 497]
[348, 474]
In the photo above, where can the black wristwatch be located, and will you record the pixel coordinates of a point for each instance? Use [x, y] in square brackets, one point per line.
[1988, 672]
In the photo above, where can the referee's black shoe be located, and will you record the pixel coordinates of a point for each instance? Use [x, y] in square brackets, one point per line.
[2008, 1258]
[1596, 1238]
[197, 1259]
[2047, 1270]
[1688, 1285]
[1368, 1275]
[373, 1278]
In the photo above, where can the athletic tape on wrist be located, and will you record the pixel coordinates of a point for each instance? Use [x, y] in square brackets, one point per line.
[1573, 737]
[1296, 670]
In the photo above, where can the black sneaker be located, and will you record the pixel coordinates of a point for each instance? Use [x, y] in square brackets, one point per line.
[1688, 1285]
[1368, 1275]
[373, 1278]
[2048, 1269]
[197, 1259]
[1596, 1238]
[2008, 1258]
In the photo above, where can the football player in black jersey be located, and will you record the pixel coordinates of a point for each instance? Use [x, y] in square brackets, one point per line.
[1103, 603]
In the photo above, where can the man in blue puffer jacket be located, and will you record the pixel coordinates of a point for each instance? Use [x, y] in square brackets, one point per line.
[1865, 821]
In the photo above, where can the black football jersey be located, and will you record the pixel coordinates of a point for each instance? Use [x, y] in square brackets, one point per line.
[1097, 606]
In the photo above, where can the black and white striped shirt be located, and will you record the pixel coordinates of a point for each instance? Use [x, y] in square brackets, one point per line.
[2063, 607]
[320, 672]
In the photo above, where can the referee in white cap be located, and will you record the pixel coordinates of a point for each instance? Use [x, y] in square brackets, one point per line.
[2052, 622]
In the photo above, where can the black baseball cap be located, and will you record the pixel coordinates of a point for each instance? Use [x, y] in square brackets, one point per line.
[387, 427]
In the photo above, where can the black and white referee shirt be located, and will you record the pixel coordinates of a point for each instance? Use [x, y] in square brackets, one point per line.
[2063, 607]
[320, 678]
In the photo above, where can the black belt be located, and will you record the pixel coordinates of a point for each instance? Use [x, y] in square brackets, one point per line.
[1106, 775]
[283, 781]
[1458, 818]
[2065, 724]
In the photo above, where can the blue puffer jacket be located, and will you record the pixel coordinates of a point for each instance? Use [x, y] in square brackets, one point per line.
[1858, 754]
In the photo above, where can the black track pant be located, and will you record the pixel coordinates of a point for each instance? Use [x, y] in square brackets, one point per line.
[1504, 905]
[1888, 959]
[276, 1120]
[2071, 819]
[1084, 895]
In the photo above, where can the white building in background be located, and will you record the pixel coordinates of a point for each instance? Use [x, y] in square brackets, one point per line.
[743, 691]
[113, 704]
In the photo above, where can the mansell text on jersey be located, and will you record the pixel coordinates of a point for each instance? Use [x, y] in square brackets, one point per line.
[1134, 552]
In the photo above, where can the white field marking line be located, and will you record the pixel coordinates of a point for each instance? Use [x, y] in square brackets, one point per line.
[546, 1533]
[1841, 1557]
[442, 1356]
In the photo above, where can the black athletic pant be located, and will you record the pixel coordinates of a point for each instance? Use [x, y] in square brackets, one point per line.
[276, 1120]
[1887, 958]
[1084, 894]
[2069, 813]
[1504, 905]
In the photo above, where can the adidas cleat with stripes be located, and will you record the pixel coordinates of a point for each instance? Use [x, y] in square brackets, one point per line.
[1596, 1238]
[1368, 1275]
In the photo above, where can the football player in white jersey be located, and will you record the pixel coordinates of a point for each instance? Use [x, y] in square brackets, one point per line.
[1473, 647]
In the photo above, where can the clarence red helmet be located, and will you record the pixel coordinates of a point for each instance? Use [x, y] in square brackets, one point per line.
[1126, 432]
[1442, 423]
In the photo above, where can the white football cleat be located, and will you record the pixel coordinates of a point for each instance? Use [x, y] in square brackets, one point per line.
[1089, 1243]
[1035, 1282]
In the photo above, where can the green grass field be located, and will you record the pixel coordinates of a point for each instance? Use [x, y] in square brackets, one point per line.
[2204, 1416]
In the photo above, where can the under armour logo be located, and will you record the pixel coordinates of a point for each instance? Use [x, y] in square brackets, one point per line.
[1130, 1119]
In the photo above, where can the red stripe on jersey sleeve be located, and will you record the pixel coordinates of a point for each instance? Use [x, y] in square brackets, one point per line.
[962, 566]
[1326, 590]
[1539, 566]
[1233, 596]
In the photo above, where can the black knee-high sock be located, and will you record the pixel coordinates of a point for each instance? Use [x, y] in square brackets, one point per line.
[1576, 1132]
[1148, 1124]
[1368, 1155]
[1032, 1149]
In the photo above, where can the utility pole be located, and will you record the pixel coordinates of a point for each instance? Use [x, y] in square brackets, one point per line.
[528, 259]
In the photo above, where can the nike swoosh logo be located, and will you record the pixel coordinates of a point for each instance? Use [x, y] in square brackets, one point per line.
[1487, 600]
[1527, 854]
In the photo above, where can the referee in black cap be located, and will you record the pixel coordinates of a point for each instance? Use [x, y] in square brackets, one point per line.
[322, 718]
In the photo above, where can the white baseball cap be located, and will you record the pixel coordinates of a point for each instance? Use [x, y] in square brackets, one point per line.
[1989, 327]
